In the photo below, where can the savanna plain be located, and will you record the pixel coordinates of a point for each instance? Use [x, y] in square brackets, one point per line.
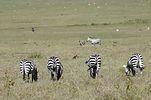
[122, 25]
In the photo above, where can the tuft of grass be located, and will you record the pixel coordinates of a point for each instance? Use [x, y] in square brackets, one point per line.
[35, 56]
[49, 45]
[148, 89]
[8, 84]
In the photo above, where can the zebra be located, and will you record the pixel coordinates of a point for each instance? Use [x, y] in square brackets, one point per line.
[55, 67]
[94, 41]
[82, 42]
[28, 67]
[134, 64]
[94, 64]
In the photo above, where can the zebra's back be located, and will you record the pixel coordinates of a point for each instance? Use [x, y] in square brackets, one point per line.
[136, 60]
[26, 66]
[94, 59]
[52, 62]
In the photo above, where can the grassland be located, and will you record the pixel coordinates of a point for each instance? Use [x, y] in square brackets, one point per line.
[59, 25]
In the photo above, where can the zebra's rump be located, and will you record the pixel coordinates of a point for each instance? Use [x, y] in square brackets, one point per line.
[26, 66]
[94, 61]
[53, 62]
[136, 60]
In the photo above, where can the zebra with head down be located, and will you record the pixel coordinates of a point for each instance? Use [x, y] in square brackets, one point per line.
[134, 64]
[94, 64]
[55, 67]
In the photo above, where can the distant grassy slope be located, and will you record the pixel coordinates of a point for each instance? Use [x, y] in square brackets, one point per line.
[69, 12]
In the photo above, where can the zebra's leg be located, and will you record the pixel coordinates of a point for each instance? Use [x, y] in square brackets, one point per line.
[28, 78]
[133, 72]
[32, 76]
[55, 76]
[32, 79]
[61, 72]
[91, 72]
[52, 75]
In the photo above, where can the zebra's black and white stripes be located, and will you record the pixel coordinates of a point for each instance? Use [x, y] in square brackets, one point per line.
[134, 64]
[94, 64]
[28, 67]
[55, 67]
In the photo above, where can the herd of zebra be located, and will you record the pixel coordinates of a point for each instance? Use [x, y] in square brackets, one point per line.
[27, 67]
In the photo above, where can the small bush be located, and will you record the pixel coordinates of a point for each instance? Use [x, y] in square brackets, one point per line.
[35, 56]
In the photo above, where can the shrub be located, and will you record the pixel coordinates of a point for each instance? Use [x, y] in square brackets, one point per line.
[35, 56]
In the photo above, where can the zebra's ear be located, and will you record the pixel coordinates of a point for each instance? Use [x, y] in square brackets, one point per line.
[124, 66]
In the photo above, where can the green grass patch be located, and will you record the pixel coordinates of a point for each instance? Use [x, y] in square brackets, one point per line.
[35, 55]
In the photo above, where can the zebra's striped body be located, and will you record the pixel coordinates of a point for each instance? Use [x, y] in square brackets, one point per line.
[55, 67]
[94, 64]
[94, 41]
[28, 67]
[134, 63]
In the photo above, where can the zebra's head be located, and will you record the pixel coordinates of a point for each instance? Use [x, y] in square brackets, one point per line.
[126, 69]
[141, 70]
[35, 74]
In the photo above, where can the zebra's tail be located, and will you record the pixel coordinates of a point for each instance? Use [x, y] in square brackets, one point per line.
[90, 67]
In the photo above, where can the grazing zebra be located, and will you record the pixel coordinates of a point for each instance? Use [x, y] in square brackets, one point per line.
[134, 64]
[55, 67]
[82, 42]
[94, 64]
[28, 67]
[94, 41]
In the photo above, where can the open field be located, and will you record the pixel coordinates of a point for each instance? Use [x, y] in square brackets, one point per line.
[59, 25]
